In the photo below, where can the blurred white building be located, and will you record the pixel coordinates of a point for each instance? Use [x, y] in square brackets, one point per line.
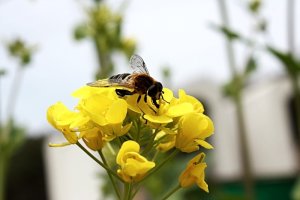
[270, 134]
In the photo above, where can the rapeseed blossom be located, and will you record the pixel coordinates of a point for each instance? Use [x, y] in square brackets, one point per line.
[194, 173]
[135, 130]
[133, 165]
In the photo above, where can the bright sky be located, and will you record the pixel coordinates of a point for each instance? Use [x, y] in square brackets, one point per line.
[170, 32]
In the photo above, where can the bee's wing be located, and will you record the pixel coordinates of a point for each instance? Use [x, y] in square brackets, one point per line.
[111, 82]
[138, 65]
[100, 83]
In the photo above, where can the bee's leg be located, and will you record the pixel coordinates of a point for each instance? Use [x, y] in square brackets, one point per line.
[144, 118]
[164, 99]
[143, 114]
[122, 93]
[145, 100]
[155, 103]
[162, 96]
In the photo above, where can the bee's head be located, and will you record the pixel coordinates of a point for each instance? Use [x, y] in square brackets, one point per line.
[155, 91]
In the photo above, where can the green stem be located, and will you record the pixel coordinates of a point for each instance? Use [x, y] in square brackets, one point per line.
[170, 157]
[138, 130]
[175, 189]
[128, 189]
[109, 175]
[1, 123]
[111, 149]
[229, 44]
[150, 145]
[98, 161]
[291, 25]
[296, 91]
[137, 188]
[155, 155]
[104, 61]
[291, 45]
[247, 178]
[12, 99]
[3, 161]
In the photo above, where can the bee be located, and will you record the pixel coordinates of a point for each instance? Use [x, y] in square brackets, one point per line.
[139, 82]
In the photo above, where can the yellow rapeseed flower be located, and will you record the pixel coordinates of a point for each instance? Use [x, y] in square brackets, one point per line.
[166, 141]
[170, 107]
[104, 110]
[93, 138]
[194, 173]
[196, 104]
[194, 128]
[102, 116]
[133, 165]
[112, 131]
[66, 121]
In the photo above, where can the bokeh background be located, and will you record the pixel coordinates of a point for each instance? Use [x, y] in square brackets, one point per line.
[225, 52]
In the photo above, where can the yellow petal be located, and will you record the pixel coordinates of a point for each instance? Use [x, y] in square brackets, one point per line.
[134, 166]
[59, 145]
[198, 107]
[167, 94]
[82, 92]
[194, 173]
[180, 109]
[198, 173]
[128, 146]
[117, 112]
[162, 119]
[204, 144]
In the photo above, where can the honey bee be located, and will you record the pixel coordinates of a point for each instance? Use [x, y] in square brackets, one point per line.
[139, 82]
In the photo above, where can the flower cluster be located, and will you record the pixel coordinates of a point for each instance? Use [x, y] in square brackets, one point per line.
[136, 130]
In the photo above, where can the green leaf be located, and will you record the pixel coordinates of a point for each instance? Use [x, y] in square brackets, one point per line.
[262, 25]
[287, 59]
[254, 6]
[18, 49]
[230, 34]
[233, 87]
[166, 71]
[2, 72]
[80, 32]
[251, 65]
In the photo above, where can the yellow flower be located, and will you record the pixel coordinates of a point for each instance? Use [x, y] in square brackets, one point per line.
[169, 107]
[66, 121]
[194, 128]
[112, 131]
[133, 165]
[86, 92]
[166, 141]
[93, 138]
[101, 105]
[197, 105]
[194, 173]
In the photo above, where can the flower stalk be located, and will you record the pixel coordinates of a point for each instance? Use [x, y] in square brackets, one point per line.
[98, 161]
[175, 189]
[110, 176]
[167, 159]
